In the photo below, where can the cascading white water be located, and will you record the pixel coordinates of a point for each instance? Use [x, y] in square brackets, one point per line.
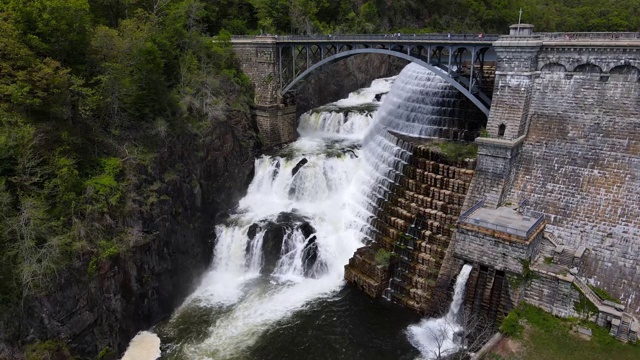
[435, 338]
[420, 104]
[350, 117]
[351, 160]
[326, 191]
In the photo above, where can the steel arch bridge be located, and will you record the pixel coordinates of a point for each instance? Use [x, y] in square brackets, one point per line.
[458, 59]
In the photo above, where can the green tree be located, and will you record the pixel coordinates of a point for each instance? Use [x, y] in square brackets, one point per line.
[59, 29]
[27, 83]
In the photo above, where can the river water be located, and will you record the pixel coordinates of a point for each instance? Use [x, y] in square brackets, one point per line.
[275, 289]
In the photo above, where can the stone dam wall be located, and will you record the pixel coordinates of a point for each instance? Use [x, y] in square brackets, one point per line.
[414, 222]
[580, 165]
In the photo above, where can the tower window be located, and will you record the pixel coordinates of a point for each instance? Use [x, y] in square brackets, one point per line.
[501, 129]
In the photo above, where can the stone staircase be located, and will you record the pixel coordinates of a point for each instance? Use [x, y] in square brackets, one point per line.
[624, 326]
[563, 256]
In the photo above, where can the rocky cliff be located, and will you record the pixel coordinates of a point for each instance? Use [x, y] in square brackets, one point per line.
[97, 307]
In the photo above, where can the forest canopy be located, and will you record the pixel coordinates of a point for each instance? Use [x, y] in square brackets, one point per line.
[91, 92]
[380, 16]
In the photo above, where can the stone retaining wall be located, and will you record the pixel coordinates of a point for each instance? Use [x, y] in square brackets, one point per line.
[553, 293]
[430, 194]
[580, 164]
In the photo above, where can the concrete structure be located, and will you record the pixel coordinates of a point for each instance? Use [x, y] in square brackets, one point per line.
[563, 131]
[276, 65]
[500, 238]
[414, 222]
[514, 260]
[564, 140]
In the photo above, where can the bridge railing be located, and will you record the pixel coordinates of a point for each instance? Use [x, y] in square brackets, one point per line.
[591, 36]
[381, 37]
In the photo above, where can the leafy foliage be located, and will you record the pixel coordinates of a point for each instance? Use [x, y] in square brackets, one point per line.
[90, 93]
[584, 307]
[410, 16]
[48, 350]
[382, 257]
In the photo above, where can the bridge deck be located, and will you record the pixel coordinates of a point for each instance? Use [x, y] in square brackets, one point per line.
[557, 39]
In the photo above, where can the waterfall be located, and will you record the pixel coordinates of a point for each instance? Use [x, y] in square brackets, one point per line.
[304, 215]
[306, 211]
[420, 104]
[436, 338]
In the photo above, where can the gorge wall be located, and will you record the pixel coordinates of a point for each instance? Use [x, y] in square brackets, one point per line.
[192, 183]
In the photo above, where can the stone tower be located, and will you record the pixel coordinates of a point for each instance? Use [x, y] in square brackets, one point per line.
[517, 55]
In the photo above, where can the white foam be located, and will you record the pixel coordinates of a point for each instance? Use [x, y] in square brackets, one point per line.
[333, 191]
[144, 346]
[435, 338]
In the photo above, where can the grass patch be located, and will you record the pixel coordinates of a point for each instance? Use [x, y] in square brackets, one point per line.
[457, 151]
[549, 338]
[604, 295]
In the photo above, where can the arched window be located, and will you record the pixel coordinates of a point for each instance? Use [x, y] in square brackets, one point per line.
[501, 129]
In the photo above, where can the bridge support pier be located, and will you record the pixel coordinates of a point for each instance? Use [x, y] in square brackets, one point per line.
[277, 124]
[258, 57]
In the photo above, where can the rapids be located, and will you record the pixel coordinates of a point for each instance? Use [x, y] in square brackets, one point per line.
[275, 287]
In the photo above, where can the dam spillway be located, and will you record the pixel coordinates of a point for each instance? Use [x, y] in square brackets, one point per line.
[280, 257]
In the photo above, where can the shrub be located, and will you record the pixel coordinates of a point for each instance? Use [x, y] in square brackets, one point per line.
[382, 257]
[48, 350]
[511, 325]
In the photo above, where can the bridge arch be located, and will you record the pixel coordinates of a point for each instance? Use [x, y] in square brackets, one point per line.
[438, 71]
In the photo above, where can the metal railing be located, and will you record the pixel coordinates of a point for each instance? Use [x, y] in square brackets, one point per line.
[502, 228]
[565, 36]
[568, 36]
[595, 298]
[469, 211]
[378, 37]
